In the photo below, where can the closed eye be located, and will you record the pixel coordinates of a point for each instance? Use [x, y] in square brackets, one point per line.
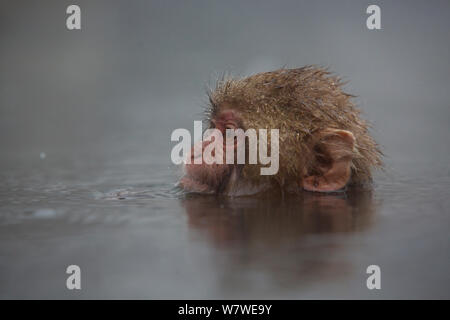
[230, 126]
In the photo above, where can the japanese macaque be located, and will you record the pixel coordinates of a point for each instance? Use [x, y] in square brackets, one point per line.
[324, 145]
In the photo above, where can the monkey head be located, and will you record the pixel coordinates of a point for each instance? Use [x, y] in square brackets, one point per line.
[323, 144]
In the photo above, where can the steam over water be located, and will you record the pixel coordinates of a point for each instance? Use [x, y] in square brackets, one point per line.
[85, 171]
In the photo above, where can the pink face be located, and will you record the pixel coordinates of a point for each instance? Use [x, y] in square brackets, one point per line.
[212, 178]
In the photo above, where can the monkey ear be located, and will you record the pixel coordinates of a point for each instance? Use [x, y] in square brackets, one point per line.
[333, 153]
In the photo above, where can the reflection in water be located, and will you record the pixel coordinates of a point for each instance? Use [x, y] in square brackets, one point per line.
[272, 220]
[291, 240]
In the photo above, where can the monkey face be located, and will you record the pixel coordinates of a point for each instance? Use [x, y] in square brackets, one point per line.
[210, 175]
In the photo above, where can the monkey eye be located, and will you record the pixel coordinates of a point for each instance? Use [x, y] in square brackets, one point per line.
[230, 126]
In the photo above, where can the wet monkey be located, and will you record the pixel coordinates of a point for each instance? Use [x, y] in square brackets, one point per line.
[324, 144]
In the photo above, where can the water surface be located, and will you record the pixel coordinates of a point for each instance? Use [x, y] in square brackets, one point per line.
[135, 239]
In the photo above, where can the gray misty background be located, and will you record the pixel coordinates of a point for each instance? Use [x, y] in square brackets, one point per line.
[102, 102]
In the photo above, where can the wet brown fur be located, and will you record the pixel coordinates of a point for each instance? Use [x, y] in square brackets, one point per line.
[299, 102]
